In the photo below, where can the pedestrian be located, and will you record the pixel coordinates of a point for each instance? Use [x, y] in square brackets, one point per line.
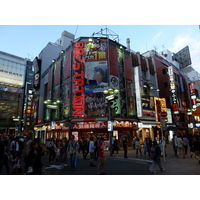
[30, 165]
[5, 156]
[185, 144]
[133, 143]
[27, 144]
[63, 152]
[175, 144]
[39, 167]
[85, 148]
[72, 149]
[180, 146]
[125, 146]
[96, 143]
[101, 157]
[191, 145]
[14, 149]
[197, 148]
[115, 145]
[148, 145]
[138, 147]
[52, 150]
[91, 150]
[155, 154]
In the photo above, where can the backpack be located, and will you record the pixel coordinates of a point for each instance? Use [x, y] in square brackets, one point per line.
[153, 154]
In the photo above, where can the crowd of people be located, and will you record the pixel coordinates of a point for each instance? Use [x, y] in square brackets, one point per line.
[15, 150]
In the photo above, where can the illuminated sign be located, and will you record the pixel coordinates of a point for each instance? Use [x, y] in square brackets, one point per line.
[89, 125]
[78, 99]
[160, 107]
[173, 89]
[123, 124]
[193, 94]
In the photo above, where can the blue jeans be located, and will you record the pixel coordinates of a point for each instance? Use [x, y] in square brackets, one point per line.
[152, 168]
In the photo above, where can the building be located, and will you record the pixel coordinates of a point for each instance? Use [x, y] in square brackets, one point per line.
[14, 74]
[41, 64]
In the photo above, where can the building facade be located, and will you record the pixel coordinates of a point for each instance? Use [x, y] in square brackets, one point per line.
[14, 73]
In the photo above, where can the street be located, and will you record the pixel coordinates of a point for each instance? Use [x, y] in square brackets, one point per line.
[118, 165]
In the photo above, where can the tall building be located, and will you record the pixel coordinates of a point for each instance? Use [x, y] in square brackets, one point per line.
[41, 64]
[13, 76]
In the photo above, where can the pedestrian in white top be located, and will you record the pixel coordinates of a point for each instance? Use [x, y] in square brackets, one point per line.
[138, 146]
[91, 150]
[180, 146]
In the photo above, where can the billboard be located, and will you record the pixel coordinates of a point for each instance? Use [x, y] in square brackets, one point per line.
[11, 72]
[183, 57]
[92, 73]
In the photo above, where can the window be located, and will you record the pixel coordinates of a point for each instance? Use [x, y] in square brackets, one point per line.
[164, 71]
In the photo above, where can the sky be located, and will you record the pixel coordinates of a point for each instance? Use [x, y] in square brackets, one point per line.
[27, 41]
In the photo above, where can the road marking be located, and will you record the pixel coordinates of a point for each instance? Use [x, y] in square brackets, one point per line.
[137, 159]
[54, 166]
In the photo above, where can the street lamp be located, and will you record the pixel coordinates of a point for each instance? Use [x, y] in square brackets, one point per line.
[110, 92]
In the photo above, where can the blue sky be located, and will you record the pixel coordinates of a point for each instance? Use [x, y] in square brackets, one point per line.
[28, 40]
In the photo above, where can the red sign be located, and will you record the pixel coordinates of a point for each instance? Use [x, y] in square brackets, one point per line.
[78, 80]
[163, 114]
[89, 125]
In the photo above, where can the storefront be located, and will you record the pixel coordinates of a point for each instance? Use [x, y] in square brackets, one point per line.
[55, 129]
[147, 129]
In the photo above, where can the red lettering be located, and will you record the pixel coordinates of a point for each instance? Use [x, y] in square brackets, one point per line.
[78, 101]
[78, 82]
[81, 75]
[78, 112]
[79, 45]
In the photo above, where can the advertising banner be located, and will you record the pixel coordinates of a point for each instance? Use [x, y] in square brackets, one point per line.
[66, 102]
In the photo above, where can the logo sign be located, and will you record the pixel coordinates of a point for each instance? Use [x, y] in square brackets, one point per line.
[163, 114]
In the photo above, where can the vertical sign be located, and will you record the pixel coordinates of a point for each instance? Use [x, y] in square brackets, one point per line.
[173, 89]
[78, 99]
[137, 91]
[193, 95]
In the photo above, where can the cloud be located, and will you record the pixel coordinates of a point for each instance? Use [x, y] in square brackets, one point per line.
[187, 39]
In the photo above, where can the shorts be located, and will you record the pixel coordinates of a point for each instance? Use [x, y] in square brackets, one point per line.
[91, 155]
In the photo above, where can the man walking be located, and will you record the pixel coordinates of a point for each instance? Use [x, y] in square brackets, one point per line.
[125, 145]
[155, 154]
[72, 148]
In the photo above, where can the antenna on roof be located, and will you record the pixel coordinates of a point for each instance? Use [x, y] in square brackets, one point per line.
[108, 33]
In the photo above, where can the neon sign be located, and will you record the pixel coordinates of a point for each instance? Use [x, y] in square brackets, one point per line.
[78, 101]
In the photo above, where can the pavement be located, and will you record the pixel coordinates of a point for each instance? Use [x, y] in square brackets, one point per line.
[118, 165]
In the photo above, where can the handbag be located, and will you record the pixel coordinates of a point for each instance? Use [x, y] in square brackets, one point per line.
[76, 160]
